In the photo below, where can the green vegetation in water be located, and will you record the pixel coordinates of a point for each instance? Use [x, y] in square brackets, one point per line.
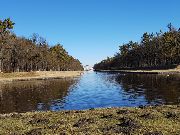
[33, 54]
[152, 120]
[155, 51]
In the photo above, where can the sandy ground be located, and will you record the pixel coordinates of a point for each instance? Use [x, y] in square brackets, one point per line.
[38, 75]
[167, 71]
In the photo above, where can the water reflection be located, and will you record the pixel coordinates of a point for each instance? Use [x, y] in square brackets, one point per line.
[155, 88]
[92, 90]
[32, 95]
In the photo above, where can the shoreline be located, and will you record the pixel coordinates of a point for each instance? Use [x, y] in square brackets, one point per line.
[143, 120]
[166, 72]
[38, 75]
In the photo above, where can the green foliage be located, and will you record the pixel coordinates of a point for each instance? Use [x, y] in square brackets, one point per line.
[154, 51]
[6, 25]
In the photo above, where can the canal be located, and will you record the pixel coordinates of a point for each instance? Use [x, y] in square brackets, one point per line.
[91, 90]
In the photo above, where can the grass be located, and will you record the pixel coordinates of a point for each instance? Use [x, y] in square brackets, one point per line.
[151, 120]
[167, 71]
[18, 74]
[40, 75]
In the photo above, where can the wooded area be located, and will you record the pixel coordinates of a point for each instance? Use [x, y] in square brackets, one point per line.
[155, 51]
[33, 54]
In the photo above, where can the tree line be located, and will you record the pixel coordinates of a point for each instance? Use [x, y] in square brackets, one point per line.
[19, 54]
[154, 51]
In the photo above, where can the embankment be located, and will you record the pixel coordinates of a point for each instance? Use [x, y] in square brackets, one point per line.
[151, 120]
[38, 75]
[166, 71]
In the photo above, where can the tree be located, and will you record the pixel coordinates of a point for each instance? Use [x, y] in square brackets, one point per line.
[5, 26]
[34, 54]
[154, 51]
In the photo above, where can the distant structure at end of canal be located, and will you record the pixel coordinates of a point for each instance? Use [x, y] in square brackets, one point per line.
[88, 68]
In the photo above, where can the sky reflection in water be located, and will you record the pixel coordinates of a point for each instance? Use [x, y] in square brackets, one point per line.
[91, 90]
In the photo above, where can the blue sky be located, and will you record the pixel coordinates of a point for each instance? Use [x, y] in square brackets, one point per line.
[90, 30]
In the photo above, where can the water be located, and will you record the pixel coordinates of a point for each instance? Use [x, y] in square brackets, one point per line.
[91, 90]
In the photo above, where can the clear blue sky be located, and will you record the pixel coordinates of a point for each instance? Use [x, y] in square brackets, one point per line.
[90, 30]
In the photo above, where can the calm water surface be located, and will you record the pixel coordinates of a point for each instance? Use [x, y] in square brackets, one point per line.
[91, 90]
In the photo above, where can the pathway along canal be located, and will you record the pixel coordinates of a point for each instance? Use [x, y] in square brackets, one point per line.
[91, 90]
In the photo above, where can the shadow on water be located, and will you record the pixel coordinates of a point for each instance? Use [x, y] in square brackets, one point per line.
[32, 95]
[163, 89]
[92, 90]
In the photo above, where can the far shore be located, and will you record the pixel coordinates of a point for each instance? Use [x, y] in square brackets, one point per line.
[38, 75]
[165, 71]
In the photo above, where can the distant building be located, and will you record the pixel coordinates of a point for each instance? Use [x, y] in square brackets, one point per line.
[88, 68]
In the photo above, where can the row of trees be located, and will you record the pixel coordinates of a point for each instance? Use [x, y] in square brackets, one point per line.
[34, 54]
[160, 50]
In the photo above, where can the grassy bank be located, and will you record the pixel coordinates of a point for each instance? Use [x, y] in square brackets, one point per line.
[38, 75]
[155, 120]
